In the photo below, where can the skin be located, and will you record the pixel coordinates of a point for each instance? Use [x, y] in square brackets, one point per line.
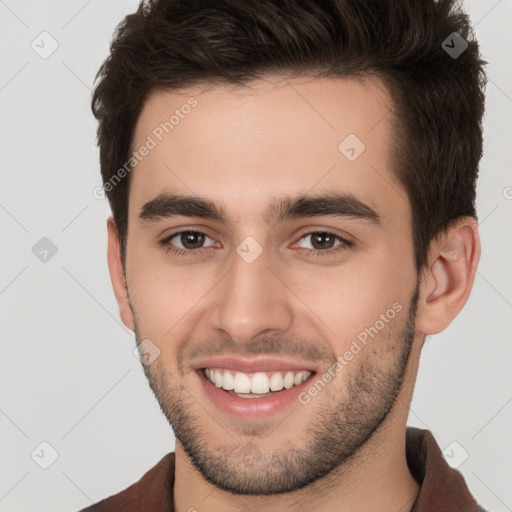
[345, 449]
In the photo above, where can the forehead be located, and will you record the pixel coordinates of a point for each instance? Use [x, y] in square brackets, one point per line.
[269, 138]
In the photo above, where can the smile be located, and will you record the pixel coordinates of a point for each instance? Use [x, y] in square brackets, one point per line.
[254, 385]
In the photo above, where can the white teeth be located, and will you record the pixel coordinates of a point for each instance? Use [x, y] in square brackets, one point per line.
[218, 378]
[258, 383]
[242, 383]
[276, 382]
[289, 380]
[228, 381]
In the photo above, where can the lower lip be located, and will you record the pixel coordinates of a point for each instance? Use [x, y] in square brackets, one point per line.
[252, 408]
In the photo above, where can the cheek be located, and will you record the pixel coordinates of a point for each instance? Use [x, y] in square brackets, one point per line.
[347, 300]
[346, 304]
[165, 296]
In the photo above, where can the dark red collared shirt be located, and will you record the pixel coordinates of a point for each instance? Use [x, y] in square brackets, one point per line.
[443, 488]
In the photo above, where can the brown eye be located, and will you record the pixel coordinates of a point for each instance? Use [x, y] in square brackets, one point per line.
[192, 239]
[185, 242]
[323, 241]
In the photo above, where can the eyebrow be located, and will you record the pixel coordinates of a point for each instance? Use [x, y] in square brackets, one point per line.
[333, 204]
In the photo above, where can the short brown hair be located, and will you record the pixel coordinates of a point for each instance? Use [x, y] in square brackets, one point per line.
[438, 97]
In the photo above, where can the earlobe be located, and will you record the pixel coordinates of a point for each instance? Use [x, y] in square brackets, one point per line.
[117, 275]
[449, 279]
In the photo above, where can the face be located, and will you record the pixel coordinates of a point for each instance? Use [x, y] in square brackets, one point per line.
[270, 254]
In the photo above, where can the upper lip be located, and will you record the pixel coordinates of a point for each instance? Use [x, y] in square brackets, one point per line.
[254, 365]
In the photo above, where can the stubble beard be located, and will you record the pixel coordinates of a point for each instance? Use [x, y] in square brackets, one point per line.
[334, 437]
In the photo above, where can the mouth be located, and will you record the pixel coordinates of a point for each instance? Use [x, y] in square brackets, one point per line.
[254, 395]
[255, 385]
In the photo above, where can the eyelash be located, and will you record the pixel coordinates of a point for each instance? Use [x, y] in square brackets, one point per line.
[344, 246]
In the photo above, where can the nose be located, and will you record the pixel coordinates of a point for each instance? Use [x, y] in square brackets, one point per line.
[252, 299]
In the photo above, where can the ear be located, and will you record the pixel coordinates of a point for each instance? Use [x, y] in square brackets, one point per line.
[117, 275]
[448, 279]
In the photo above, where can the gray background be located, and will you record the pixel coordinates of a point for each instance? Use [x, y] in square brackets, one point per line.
[68, 375]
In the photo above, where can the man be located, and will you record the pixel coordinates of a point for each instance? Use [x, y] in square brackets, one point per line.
[292, 186]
